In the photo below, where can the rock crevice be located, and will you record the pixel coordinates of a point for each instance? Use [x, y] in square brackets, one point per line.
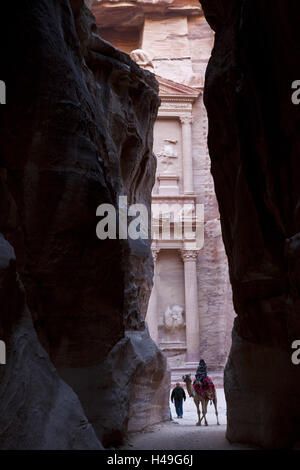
[254, 148]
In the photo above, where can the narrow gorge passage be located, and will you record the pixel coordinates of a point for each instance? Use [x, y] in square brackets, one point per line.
[149, 223]
[183, 434]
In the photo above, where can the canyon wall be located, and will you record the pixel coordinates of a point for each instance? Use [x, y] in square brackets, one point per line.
[254, 147]
[77, 132]
[38, 410]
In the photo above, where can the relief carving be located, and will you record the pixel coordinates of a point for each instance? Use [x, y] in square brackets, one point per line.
[168, 156]
[143, 59]
[173, 318]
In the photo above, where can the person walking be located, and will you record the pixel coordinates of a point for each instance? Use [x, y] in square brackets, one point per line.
[177, 397]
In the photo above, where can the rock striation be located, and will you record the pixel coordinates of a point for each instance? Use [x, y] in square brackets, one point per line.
[76, 133]
[254, 147]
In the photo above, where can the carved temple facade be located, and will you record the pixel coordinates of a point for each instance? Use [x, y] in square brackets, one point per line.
[190, 312]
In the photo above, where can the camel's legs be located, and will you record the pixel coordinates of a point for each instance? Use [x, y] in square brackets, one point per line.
[204, 411]
[198, 411]
[206, 403]
[215, 405]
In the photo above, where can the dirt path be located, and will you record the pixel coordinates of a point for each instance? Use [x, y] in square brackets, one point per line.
[182, 434]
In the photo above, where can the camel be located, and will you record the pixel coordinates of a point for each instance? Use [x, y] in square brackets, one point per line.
[212, 397]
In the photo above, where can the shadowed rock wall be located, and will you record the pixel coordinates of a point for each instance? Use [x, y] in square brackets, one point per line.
[38, 410]
[77, 132]
[254, 147]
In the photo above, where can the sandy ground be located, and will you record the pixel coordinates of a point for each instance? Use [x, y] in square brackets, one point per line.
[182, 434]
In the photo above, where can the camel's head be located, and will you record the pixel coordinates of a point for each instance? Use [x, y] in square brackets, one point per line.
[187, 378]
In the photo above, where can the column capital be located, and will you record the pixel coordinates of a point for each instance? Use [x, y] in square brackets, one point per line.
[189, 255]
[186, 119]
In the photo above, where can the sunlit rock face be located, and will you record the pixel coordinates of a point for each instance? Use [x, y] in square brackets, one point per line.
[173, 39]
[78, 133]
[254, 147]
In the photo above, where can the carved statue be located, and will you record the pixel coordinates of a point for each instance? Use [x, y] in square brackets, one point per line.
[143, 59]
[173, 318]
[168, 155]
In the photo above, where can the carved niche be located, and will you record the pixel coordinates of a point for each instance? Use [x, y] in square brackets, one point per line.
[168, 156]
[173, 318]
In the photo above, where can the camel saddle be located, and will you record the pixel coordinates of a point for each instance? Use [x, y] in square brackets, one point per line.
[206, 389]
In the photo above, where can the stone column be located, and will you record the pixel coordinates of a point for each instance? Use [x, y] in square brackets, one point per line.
[191, 305]
[152, 313]
[187, 156]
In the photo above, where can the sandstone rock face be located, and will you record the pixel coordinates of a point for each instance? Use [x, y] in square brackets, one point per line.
[78, 133]
[38, 410]
[254, 147]
[127, 383]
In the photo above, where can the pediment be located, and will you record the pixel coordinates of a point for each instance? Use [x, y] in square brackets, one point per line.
[168, 89]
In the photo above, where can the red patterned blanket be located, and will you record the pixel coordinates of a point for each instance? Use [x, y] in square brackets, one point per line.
[208, 386]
